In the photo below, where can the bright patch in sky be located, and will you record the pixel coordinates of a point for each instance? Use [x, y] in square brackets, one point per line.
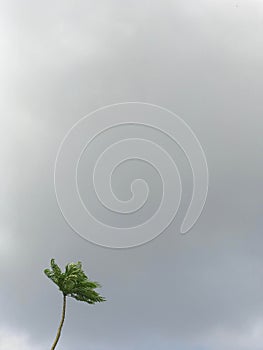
[12, 341]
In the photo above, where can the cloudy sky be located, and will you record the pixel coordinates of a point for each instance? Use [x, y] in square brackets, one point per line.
[59, 61]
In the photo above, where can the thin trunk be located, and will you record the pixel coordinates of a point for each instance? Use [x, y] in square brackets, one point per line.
[61, 323]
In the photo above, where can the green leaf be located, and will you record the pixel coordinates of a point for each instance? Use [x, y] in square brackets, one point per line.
[74, 282]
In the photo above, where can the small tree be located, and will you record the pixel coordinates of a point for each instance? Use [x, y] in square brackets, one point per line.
[73, 283]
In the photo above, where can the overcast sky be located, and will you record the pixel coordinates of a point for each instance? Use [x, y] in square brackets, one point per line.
[59, 61]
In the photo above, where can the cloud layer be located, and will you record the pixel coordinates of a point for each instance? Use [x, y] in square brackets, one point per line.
[203, 60]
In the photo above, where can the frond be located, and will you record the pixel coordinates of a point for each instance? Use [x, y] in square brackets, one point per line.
[74, 282]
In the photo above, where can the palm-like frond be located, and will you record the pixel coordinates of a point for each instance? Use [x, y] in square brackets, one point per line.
[74, 283]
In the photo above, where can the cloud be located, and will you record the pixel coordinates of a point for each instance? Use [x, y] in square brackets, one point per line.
[11, 341]
[250, 338]
[203, 61]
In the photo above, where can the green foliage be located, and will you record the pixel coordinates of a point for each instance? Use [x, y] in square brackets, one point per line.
[74, 283]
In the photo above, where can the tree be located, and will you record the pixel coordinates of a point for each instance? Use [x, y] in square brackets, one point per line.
[73, 283]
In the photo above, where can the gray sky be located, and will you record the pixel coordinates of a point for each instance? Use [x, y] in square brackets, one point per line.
[201, 59]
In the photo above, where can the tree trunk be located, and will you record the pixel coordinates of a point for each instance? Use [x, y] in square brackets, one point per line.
[61, 323]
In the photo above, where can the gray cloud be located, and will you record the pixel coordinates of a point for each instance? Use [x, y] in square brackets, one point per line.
[203, 61]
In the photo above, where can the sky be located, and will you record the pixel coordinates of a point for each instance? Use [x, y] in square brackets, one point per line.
[61, 60]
